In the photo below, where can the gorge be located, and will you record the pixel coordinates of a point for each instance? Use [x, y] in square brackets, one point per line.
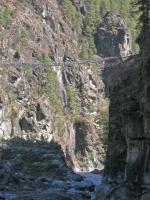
[74, 104]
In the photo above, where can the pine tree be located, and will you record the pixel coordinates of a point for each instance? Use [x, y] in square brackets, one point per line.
[144, 37]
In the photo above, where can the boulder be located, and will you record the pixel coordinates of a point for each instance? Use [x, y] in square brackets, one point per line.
[112, 37]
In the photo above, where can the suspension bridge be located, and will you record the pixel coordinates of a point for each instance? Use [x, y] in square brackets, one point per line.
[68, 63]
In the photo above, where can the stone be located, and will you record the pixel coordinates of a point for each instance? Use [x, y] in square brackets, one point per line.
[127, 161]
[17, 55]
[113, 38]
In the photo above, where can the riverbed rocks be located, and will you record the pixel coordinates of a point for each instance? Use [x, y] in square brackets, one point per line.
[28, 171]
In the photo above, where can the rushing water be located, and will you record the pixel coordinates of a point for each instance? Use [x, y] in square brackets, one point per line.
[89, 177]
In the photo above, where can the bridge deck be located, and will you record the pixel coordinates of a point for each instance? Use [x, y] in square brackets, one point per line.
[66, 63]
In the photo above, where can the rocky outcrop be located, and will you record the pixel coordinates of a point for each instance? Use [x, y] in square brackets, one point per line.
[65, 103]
[39, 104]
[36, 30]
[127, 163]
[80, 6]
[113, 37]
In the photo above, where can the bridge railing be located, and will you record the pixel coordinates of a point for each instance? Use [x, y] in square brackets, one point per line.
[66, 63]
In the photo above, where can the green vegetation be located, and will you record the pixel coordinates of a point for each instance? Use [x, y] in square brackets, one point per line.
[21, 4]
[57, 106]
[44, 58]
[5, 17]
[91, 107]
[143, 8]
[28, 71]
[73, 15]
[103, 121]
[87, 48]
[52, 91]
[93, 15]
[73, 101]
[95, 10]
[23, 36]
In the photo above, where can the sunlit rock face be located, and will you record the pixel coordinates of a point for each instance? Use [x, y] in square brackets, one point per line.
[37, 108]
[79, 122]
[127, 164]
[36, 28]
[113, 37]
[28, 126]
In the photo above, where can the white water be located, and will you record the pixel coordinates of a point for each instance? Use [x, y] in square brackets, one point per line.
[96, 179]
[89, 177]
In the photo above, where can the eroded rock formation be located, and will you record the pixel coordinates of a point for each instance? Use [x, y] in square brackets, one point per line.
[27, 110]
[112, 37]
[36, 28]
[41, 105]
[67, 103]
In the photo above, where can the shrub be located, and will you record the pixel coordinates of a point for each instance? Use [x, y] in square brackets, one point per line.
[73, 101]
[45, 59]
[23, 36]
[5, 17]
[88, 48]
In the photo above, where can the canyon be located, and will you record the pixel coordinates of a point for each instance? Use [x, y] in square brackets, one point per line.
[70, 128]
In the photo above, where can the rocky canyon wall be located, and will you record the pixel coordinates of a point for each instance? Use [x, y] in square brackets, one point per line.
[127, 163]
[62, 103]
[65, 102]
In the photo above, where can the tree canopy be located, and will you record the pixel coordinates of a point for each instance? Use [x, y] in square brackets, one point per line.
[95, 10]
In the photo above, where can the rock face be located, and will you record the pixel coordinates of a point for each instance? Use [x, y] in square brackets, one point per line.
[29, 124]
[36, 29]
[71, 108]
[112, 37]
[127, 165]
[66, 103]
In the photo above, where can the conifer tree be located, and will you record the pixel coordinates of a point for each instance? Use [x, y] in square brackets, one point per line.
[144, 37]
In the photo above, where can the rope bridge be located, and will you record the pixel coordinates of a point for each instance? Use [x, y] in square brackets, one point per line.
[65, 63]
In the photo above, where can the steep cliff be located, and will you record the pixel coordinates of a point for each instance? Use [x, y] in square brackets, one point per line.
[113, 37]
[65, 102]
[127, 163]
[32, 29]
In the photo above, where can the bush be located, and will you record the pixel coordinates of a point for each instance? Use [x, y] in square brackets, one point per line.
[103, 120]
[5, 17]
[45, 59]
[73, 101]
[88, 48]
[23, 36]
